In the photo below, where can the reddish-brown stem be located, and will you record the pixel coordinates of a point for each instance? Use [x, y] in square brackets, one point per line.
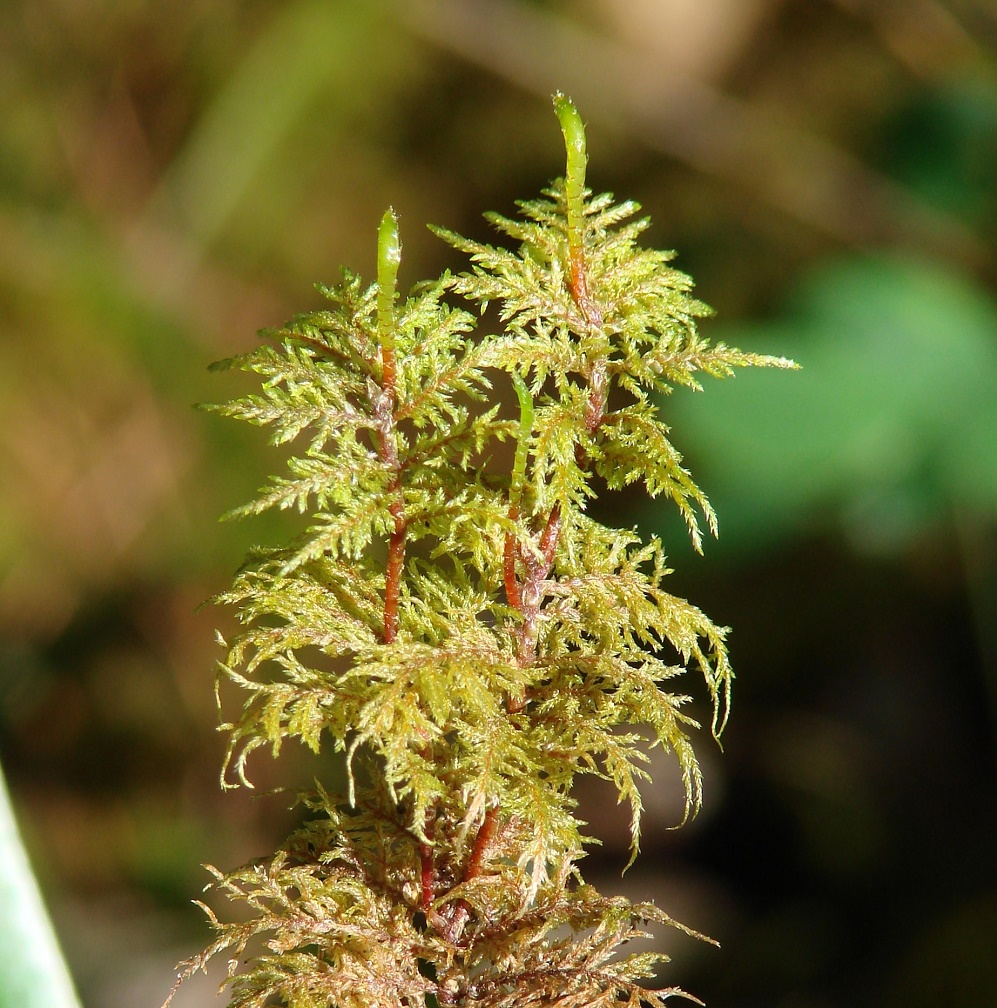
[388, 447]
[428, 875]
[388, 370]
[472, 870]
[549, 537]
[510, 551]
[393, 572]
[485, 833]
[578, 278]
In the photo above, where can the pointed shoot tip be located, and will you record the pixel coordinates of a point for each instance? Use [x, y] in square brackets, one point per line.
[573, 130]
[389, 255]
[389, 249]
[571, 126]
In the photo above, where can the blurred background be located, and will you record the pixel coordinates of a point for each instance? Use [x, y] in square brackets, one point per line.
[174, 177]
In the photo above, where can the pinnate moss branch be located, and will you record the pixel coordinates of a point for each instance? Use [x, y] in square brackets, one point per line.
[458, 626]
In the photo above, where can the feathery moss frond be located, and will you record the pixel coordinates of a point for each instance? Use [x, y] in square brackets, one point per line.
[458, 627]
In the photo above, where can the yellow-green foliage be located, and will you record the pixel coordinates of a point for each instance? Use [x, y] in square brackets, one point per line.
[463, 628]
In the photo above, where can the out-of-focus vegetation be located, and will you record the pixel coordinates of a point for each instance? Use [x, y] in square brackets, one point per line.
[173, 177]
[35, 974]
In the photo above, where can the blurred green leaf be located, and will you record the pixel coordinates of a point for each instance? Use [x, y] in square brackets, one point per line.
[32, 971]
[889, 426]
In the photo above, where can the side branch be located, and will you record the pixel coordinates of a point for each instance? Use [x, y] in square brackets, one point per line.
[475, 862]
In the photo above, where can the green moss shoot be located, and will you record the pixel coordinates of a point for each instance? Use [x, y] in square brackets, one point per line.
[460, 628]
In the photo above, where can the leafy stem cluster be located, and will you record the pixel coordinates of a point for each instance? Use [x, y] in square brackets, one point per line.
[460, 627]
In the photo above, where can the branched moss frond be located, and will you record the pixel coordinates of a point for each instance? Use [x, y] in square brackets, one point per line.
[331, 937]
[635, 448]
[324, 375]
[639, 326]
[457, 627]
[336, 915]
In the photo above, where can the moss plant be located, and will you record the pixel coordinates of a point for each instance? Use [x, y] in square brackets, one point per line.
[462, 630]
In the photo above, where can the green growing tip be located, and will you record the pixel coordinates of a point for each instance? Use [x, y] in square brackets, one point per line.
[389, 255]
[573, 130]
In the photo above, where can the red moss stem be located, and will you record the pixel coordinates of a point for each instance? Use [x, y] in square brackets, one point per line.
[388, 448]
[463, 910]
[485, 833]
[510, 552]
[548, 540]
[393, 572]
